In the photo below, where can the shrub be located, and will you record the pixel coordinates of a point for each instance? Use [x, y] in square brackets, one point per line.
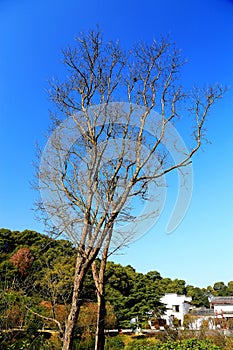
[168, 334]
[188, 344]
[114, 343]
[140, 344]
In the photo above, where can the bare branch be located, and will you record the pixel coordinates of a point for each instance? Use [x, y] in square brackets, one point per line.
[46, 318]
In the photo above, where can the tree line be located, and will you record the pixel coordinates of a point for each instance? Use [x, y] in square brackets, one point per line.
[36, 278]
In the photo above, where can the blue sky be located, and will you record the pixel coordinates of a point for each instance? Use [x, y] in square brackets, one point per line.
[32, 36]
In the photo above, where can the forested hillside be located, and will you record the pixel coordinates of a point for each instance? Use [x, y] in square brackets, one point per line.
[36, 278]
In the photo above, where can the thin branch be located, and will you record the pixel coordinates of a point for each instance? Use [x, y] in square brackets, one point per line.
[46, 318]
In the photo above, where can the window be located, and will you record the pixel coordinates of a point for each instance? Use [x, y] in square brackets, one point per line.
[176, 308]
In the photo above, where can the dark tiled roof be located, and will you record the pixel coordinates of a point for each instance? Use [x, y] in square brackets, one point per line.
[202, 312]
[222, 300]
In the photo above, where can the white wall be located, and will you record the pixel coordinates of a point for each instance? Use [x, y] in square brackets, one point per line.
[177, 306]
[223, 308]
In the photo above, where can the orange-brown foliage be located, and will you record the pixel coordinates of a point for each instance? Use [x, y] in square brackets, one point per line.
[22, 259]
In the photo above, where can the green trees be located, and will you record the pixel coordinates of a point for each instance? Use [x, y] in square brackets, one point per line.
[220, 289]
[45, 289]
[50, 277]
[199, 296]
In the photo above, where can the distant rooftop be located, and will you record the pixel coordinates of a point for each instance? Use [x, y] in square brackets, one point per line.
[202, 312]
[222, 300]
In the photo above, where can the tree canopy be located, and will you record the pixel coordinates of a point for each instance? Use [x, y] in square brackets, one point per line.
[45, 286]
[49, 277]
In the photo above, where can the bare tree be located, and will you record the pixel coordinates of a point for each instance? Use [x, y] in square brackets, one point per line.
[109, 149]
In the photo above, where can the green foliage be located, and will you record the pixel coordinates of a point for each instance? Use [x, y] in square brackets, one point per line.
[132, 294]
[50, 277]
[187, 344]
[220, 288]
[87, 343]
[38, 342]
[140, 344]
[46, 286]
[114, 343]
[199, 296]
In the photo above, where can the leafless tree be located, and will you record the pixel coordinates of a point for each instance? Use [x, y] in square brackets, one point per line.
[109, 148]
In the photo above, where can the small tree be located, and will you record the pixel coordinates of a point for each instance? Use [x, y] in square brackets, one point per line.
[23, 260]
[113, 150]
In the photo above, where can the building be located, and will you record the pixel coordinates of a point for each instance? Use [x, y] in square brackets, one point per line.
[223, 307]
[176, 307]
[219, 316]
[197, 317]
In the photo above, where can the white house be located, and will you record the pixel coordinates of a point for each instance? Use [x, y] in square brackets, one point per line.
[223, 307]
[176, 307]
[220, 312]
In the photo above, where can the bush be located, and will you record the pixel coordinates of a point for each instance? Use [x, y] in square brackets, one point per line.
[218, 338]
[114, 343]
[38, 343]
[87, 343]
[140, 344]
[168, 334]
[188, 344]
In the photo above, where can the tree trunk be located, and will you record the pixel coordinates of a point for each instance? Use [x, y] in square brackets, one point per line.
[99, 283]
[80, 272]
[100, 337]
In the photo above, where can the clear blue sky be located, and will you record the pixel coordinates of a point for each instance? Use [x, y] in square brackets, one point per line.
[32, 34]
